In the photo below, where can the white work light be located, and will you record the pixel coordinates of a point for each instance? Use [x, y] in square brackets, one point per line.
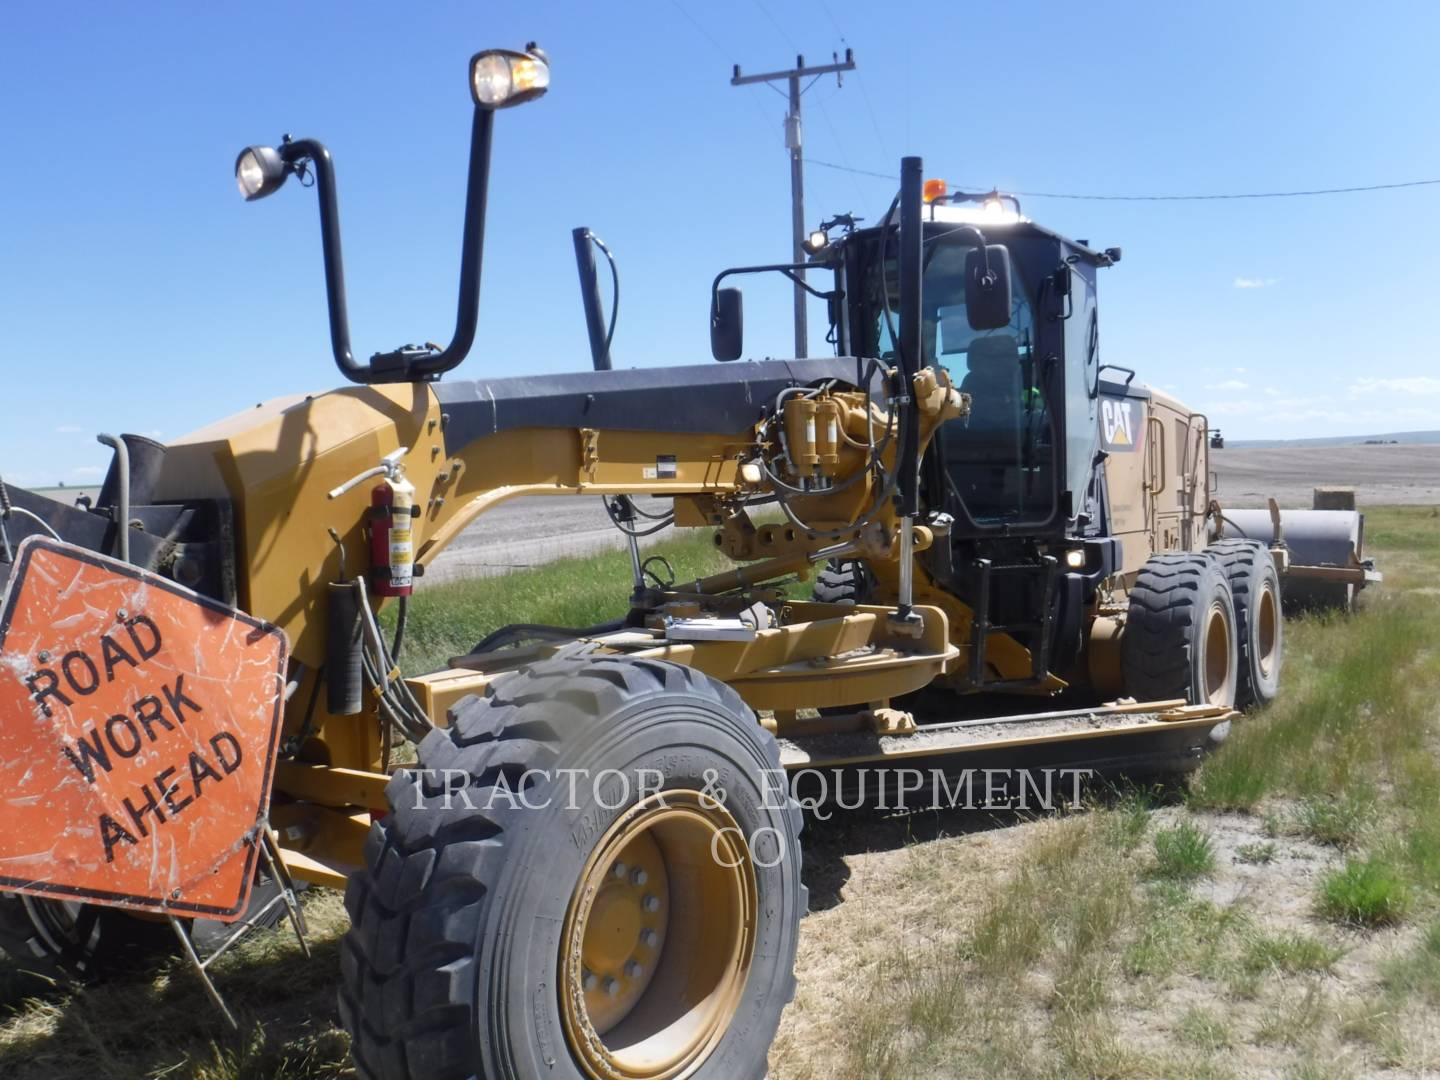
[259, 171]
[500, 78]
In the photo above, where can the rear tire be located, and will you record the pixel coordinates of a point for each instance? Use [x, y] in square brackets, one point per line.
[471, 927]
[1258, 621]
[1180, 633]
[843, 581]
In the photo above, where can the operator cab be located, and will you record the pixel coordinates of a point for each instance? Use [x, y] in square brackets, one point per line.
[1023, 460]
[1021, 476]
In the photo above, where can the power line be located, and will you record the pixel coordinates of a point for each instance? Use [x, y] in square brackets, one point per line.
[719, 49]
[893, 179]
[1155, 198]
[775, 23]
[859, 172]
[860, 80]
[703, 32]
[1240, 195]
[839, 144]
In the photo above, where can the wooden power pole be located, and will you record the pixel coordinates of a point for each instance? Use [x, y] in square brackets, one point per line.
[793, 143]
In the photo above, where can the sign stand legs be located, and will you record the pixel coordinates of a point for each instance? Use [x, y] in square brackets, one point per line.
[270, 853]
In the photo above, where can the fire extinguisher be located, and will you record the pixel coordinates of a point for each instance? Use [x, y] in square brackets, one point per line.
[392, 544]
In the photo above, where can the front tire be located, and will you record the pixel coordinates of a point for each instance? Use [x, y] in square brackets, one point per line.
[843, 581]
[504, 940]
[1180, 632]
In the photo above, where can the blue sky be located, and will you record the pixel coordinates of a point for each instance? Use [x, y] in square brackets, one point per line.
[138, 293]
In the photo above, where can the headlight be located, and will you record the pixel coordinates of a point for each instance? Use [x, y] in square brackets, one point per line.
[259, 171]
[500, 78]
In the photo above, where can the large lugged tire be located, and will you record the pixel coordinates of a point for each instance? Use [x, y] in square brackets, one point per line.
[592, 933]
[1180, 633]
[74, 942]
[1258, 621]
[843, 581]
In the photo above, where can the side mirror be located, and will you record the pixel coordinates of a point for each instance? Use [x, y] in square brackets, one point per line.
[727, 324]
[987, 287]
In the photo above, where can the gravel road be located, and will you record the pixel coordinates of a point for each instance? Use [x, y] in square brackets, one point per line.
[528, 532]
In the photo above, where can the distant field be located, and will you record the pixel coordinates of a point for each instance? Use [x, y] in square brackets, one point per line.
[1381, 475]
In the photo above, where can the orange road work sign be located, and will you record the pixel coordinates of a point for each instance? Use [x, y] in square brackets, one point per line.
[139, 723]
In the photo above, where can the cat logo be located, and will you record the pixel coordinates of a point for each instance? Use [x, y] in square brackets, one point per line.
[1119, 430]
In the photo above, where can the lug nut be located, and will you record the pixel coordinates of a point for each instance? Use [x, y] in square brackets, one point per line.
[611, 987]
[618, 869]
[651, 903]
[589, 980]
[649, 938]
[638, 876]
[632, 969]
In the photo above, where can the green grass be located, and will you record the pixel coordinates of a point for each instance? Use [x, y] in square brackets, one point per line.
[1291, 953]
[1417, 973]
[1257, 853]
[1336, 821]
[1367, 893]
[1183, 853]
[447, 620]
[1204, 1029]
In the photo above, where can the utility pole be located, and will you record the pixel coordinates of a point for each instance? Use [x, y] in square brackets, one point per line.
[797, 163]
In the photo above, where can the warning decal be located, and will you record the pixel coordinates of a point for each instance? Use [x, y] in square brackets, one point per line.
[138, 729]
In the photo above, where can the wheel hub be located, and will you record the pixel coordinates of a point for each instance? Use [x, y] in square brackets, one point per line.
[658, 940]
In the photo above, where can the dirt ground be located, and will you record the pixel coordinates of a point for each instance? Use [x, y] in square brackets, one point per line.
[1381, 475]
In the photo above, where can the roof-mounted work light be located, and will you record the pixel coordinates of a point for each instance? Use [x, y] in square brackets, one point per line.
[500, 78]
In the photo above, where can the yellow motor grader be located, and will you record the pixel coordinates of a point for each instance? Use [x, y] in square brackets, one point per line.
[590, 865]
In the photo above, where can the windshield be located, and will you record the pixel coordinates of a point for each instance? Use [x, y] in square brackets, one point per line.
[1001, 458]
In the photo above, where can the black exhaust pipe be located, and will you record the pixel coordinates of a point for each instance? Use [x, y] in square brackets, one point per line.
[911, 326]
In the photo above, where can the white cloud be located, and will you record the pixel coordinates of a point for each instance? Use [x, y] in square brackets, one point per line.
[1256, 282]
[68, 429]
[1272, 391]
[87, 470]
[1409, 386]
[1239, 370]
[1229, 384]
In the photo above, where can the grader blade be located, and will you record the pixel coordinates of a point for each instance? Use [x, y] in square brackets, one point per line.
[985, 763]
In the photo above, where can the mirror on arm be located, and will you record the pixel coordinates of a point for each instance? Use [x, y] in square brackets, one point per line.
[727, 324]
[987, 286]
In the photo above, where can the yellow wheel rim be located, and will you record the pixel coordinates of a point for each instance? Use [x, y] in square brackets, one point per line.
[658, 940]
[1217, 657]
[1268, 618]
